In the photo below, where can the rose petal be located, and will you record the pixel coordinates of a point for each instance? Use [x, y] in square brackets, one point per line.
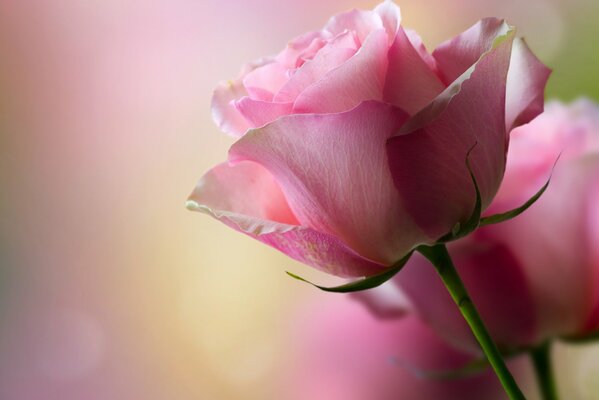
[262, 83]
[247, 198]
[410, 84]
[226, 116]
[391, 16]
[333, 170]
[309, 42]
[418, 45]
[335, 53]
[569, 131]
[359, 79]
[259, 113]
[455, 56]
[496, 283]
[362, 22]
[429, 164]
[526, 82]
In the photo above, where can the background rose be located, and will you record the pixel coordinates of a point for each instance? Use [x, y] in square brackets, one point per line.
[361, 140]
[341, 351]
[536, 276]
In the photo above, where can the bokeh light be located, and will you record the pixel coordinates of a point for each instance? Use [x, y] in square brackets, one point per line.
[109, 287]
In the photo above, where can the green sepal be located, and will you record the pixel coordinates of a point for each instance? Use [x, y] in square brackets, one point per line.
[362, 284]
[472, 368]
[506, 216]
[473, 222]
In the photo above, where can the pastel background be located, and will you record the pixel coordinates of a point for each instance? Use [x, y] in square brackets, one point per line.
[109, 287]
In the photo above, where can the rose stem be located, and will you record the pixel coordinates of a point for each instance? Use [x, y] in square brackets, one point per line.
[441, 260]
[541, 357]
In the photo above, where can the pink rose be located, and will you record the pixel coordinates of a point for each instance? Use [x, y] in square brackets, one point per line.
[353, 140]
[340, 351]
[536, 276]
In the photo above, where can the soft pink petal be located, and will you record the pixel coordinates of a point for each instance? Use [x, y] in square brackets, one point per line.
[391, 16]
[496, 283]
[360, 21]
[247, 198]
[262, 83]
[339, 351]
[335, 53]
[259, 113]
[303, 46]
[225, 114]
[410, 83]
[333, 170]
[526, 82]
[455, 56]
[418, 45]
[360, 78]
[567, 131]
[429, 164]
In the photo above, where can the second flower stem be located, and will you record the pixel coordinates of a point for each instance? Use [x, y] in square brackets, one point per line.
[541, 357]
[439, 257]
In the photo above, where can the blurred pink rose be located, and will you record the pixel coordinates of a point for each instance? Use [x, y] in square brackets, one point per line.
[535, 276]
[341, 351]
[358, 138]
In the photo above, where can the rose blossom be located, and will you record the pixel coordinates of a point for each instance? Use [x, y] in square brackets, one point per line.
[536, 276]
[353, 140]
[341, 351]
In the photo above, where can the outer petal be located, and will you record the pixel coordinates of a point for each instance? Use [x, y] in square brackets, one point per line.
[362, 22]
[569, 130]
[263, 82]
[259, 113]
[429, 164]
[419, 46]
[391, 17]
[340, 351]
[333, 170]
[496, 283]
[247, 198]
[455, 56]
[226, 116]
[526, 82]
[411, 83]
[360, 78]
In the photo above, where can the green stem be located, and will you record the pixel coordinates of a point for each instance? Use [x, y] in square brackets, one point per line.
[440, 258]
[541, 357]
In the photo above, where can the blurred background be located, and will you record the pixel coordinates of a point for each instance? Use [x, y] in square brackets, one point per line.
[109, 287]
